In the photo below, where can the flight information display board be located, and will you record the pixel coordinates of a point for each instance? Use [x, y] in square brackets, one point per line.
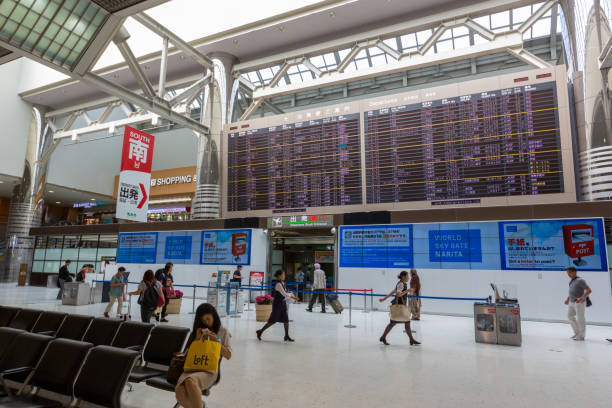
[314, 163]
[497, 143]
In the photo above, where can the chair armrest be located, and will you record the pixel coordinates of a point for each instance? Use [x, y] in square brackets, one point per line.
[17, 370]
[135, 348]
[47, 333]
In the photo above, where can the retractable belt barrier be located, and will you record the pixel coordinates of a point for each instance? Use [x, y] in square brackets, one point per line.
[349, 292]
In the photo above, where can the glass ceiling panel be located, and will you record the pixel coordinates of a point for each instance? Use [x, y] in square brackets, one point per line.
[55, 30]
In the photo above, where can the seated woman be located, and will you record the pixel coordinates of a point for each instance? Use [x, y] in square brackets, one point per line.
[206, 326]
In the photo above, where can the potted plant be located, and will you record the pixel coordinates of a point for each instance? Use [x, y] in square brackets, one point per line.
[175, 298]
[263, 307]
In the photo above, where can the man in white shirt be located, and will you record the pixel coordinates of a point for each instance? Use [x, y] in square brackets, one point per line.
[318, 285]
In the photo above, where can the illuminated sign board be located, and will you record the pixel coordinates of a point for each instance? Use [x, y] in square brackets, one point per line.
[316, 221]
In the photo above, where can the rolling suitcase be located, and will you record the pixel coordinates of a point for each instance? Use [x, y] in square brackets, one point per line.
[127, 316]
[333, 301]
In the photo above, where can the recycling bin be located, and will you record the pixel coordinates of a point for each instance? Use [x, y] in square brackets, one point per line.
[508, 324]
[485, 323]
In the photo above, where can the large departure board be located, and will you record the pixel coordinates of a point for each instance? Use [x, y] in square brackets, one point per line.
[502, 142]
[312, 163]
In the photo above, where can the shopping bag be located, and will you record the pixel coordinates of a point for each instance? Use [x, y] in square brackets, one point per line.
[399, 313]
[203, 355]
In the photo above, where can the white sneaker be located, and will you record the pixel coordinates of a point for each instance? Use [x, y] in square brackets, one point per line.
[579, 338]
[573, 337]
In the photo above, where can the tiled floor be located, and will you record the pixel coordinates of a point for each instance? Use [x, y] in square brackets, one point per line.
[332, 366]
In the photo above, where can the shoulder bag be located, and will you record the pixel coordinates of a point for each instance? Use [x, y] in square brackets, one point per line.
[399, 312]
[176, 368]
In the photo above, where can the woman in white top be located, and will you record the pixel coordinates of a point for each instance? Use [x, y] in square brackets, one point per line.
[401, 292]
[279, 306]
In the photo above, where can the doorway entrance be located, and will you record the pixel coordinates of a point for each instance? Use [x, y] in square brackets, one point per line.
[290, 251]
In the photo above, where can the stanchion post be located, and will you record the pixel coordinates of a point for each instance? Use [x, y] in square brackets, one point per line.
[365, 300]
[193, 300]
[350, 325]
[372, 300]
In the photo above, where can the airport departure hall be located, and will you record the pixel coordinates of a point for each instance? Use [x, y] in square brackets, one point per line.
[419, 193]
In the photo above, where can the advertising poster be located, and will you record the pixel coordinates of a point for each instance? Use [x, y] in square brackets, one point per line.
[135, 176]
[553, 244]
[137, 247]
[376, 246]
[255, 279]
[226, 247]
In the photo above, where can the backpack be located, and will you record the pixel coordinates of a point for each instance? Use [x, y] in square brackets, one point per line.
[149, 297]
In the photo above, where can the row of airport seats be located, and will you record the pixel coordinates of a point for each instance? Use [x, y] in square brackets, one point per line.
[152, 348]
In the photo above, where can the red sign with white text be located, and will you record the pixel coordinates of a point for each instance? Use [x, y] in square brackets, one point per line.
[135, 176]
[137, 150]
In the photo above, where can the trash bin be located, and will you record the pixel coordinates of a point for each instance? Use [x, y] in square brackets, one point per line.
[485, 323]
[508, 324]
[76, 294]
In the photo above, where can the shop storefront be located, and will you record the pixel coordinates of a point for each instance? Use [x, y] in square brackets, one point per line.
[170, 195]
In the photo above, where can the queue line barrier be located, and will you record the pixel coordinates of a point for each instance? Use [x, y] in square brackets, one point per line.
[264, 287]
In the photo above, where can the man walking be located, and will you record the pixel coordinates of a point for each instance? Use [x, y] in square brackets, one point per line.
[579, 292]
[299, 280]
[62, 277]
[318, 285]
[115, 292]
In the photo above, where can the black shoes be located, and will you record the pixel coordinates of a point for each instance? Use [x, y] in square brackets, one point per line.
[414, 343]
[383, 341]
[287, 338]
[163, 320]
[259, 332]
[309, 310]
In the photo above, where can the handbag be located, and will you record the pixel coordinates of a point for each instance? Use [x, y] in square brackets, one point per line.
[399, 312]
[203, 355]
[588, 302]
[176, 368]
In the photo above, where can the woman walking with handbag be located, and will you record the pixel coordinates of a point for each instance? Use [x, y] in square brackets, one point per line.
[279, 306]
[400, 312]
[206, 327]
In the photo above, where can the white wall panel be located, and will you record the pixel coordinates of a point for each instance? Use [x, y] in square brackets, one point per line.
[15, 115]
[93, 165]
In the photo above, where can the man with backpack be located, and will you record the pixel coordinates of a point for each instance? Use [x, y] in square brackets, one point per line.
[149, 291]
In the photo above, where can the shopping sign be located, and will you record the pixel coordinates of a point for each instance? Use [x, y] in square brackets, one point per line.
[135, 176]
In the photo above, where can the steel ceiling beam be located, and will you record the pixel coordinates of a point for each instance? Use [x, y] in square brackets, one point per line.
[502, 42]
[191, 90]
[120, 41]
[178, 42]
[152, 105]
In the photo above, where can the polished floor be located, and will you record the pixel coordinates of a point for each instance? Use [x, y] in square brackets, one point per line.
[333, 366]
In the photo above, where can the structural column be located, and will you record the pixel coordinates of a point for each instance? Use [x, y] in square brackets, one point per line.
[26, 205]
[215, 107]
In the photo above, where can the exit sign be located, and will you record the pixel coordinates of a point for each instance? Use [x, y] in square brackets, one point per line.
[316, 221]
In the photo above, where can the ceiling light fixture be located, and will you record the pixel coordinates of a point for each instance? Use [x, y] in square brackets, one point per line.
[332, 14]
[51, 191]
[235, 41]
[281, 28]
[92, 199]
[58, 202]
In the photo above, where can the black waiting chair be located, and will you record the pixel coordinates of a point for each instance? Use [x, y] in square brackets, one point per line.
[25, 319]
[55, 374]
[161, 383]
[49, 323]
[157, 354]
[132, 335]
[74, 327]
[104, 375]
[7, 314]
[21, 357]
[101, 332]
[7, 335]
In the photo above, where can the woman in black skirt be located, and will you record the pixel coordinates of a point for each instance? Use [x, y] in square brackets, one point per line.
[401, 292]
[279, 306]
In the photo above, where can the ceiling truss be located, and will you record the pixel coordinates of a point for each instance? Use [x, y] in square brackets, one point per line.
[510, 41]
